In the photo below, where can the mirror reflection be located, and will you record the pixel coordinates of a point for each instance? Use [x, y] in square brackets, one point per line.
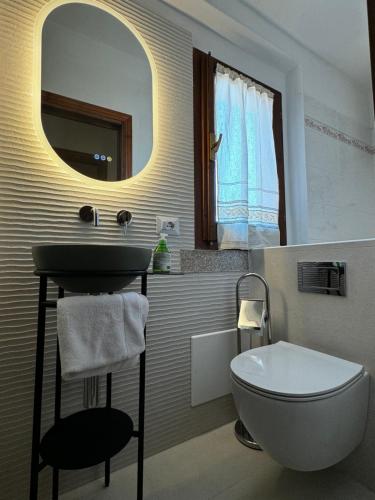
[96, 93]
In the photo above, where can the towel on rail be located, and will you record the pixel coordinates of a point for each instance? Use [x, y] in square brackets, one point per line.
[100, 334]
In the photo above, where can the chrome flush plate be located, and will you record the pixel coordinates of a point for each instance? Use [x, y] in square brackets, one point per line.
[328, 278]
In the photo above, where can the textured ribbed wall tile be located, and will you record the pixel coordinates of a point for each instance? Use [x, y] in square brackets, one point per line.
[39, 201]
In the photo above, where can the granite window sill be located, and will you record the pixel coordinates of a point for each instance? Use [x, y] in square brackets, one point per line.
[214, 261]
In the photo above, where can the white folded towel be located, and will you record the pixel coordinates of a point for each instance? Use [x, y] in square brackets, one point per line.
[100, 334]
[252, 316]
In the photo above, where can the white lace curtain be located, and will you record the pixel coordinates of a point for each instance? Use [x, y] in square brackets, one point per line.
[247, 181]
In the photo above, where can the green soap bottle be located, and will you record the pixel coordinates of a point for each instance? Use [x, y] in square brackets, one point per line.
[162, 256]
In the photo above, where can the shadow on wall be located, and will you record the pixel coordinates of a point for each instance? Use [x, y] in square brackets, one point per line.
[280, 326]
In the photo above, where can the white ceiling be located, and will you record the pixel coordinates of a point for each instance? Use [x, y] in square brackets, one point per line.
[336, 30]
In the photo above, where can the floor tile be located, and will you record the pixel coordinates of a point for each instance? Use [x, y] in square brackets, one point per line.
[216, 466]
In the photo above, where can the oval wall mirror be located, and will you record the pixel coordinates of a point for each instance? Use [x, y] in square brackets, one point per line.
[96, 103]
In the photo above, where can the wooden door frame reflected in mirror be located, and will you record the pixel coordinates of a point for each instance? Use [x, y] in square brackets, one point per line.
[66, 107]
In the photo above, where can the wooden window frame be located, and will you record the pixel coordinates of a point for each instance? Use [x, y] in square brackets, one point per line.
[204, 66]
[66, 107]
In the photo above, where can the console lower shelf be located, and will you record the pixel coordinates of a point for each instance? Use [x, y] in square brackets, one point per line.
[86, 438]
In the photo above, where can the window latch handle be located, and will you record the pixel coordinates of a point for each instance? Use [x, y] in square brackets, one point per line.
[214, 145]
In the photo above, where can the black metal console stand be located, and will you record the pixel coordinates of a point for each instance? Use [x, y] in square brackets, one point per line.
[73, 442]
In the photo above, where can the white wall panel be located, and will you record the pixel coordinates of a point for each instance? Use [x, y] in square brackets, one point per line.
[211, 354]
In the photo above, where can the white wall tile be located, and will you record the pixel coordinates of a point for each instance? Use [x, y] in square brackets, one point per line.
[341, 326]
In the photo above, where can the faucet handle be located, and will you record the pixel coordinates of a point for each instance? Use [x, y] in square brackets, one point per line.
[124, 218]
[87, 213]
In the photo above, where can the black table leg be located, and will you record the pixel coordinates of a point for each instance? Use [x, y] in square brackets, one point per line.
[107, 473]
[55, 473]
[141, 408]
[38, 388]
[55, 484]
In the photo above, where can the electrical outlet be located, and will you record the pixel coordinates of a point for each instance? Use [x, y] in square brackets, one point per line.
[168, 225]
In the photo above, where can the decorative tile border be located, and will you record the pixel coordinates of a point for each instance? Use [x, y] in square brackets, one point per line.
[214, 261]
[339, 136]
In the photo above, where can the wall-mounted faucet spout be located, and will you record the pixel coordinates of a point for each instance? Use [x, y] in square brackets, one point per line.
[124, 219]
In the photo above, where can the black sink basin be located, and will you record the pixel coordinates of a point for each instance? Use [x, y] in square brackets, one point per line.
[91, 268]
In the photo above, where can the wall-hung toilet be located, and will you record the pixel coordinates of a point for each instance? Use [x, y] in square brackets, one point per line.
[307, 409]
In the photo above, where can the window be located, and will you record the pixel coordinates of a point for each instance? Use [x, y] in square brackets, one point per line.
[226, 99]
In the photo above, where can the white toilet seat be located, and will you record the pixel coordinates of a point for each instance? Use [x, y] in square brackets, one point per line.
[307, 409]
[295, 399]
[290, 371]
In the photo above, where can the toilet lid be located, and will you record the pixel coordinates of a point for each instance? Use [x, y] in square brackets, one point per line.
[290, 370]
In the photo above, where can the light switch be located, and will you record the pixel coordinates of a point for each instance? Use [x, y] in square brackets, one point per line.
[168, 225]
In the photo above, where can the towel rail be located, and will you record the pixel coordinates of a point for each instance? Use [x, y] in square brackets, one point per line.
[107, 415]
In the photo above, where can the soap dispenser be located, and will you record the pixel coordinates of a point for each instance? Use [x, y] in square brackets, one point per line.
[162, 256]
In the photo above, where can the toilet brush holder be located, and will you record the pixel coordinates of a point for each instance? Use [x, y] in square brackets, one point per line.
[244, 437]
